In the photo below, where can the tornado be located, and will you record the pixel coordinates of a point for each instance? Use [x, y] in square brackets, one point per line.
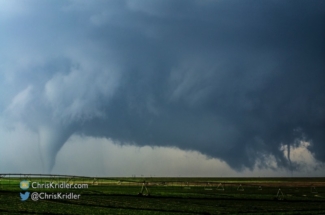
[51, 140]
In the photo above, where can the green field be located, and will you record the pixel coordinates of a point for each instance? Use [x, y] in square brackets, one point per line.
[170, 196]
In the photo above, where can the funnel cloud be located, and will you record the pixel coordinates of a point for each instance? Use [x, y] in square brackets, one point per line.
[233, 80]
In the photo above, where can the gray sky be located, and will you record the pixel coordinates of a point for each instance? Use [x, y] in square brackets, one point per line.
[166, 88]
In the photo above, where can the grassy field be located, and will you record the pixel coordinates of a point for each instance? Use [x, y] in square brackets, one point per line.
[171, 196]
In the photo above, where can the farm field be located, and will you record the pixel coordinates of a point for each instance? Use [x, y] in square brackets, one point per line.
[168, 196]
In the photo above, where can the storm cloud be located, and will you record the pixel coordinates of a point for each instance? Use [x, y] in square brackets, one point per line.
[235, 80]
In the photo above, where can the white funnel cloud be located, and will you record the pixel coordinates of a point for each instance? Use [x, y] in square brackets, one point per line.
[51, 139]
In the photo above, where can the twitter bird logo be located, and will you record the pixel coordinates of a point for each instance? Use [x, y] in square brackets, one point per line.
[24, 196]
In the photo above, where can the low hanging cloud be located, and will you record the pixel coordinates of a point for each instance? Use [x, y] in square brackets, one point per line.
[233, 80]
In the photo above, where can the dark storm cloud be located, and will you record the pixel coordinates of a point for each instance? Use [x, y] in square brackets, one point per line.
[232, 79]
